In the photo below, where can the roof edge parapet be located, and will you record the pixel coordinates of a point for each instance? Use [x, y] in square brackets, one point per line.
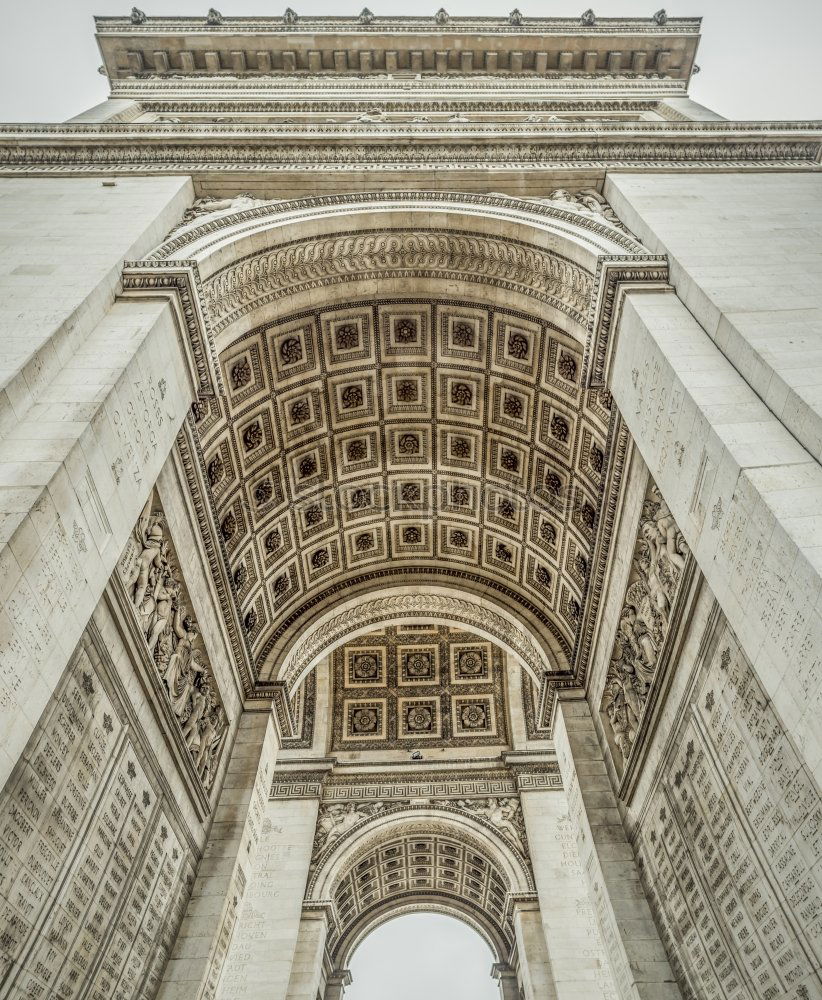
[369, 45]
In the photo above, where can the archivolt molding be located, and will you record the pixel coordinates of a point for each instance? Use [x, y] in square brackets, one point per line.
[364, 615]
[568, 222]
[386, 255]
[377, 823]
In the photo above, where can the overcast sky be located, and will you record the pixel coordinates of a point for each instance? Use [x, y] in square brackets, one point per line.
[422, 957]
[759, 58]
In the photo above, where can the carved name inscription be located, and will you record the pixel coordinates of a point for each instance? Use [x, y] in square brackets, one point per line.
[730, 848]
[93, 877]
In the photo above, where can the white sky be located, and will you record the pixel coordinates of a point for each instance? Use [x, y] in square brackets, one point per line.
[423, 956]
[759, 58]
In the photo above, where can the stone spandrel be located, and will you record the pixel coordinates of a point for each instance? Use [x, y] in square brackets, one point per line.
[91, 868]
[730, 847]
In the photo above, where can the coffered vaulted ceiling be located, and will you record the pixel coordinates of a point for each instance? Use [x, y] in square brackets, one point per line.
[403, 439]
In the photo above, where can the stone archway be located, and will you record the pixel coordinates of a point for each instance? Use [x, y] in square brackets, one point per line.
[300, 449]
[465, 858]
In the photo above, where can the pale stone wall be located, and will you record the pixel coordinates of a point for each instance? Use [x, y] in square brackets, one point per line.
[101, 437]
[307, 965]
[98, 837]
[63, 244]
[745, 259]
[210, 920]
[635, 955]
[743, 492]
[534, 964]
[259, 960]
[726, 825]
[578, 961]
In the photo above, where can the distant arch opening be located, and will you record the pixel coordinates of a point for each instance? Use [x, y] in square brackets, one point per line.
[422, 954]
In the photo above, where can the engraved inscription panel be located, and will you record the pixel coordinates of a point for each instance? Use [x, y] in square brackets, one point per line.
[731, 844]
[93, 875]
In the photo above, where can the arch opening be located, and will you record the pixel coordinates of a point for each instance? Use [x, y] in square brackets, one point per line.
[449, 957]
[400, 403]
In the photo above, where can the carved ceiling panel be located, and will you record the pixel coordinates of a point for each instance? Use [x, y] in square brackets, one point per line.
[418, 686]
[429, 435]
[420, 865]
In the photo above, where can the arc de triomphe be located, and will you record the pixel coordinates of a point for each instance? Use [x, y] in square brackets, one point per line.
[410, 434]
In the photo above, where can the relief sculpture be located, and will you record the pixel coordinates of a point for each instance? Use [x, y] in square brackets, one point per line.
[658, 562]
[335, 820]
[153, 583]
[504, 814]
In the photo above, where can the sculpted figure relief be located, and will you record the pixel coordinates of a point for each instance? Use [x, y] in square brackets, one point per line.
[586, 202]
[659, 559]
[152, 583]
[214, 206]
[335, 820]
[503, 814]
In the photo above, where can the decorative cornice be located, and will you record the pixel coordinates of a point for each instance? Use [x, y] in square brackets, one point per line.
[307, 24]
[181, 283]
[556, 131]
[500, 85]
[43, 154]
[440, 785]
[400, 103]
[615, 277]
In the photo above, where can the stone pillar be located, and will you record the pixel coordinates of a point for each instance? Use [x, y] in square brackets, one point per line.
[578, 962]
[743, 493]
[258, 966]
[92, 397]
[307, 966]
[507, 979]
[516, 713]
[336, 984]
[208, 926]
[536, 977]
[637, 958]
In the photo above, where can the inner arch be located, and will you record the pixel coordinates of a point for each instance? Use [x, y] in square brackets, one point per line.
[450, 957]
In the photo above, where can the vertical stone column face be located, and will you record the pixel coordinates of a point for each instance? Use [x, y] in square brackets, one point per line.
[337, 982]
[210, 921]
[307, 967]
[578, 963]
[258, 966]
[507, 979]
[91, 400]
[96, 854]
[637, 958]
[535, 973]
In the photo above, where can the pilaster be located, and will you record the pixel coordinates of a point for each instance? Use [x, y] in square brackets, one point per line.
[208, 927]
[638, 963]
[507, 979]
[264, 946]
[536, 978]
[307, 966]
[577, 958]
[336, 984]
